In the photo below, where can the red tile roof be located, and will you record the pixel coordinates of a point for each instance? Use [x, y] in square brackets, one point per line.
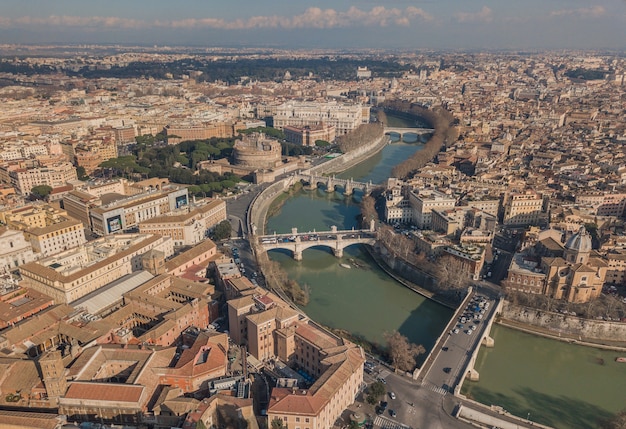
[105, 392]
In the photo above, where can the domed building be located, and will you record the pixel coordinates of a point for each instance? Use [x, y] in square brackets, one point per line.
[574, 272]
[578, 247]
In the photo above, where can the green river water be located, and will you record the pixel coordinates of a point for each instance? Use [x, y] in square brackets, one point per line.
[559, 384]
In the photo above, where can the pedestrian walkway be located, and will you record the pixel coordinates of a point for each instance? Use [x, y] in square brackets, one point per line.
[437, 389]
[385, 423]
[384, 373]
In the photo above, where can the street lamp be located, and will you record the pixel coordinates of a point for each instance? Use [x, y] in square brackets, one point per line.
[528, 416]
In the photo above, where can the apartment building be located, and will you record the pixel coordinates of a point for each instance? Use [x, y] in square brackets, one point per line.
[603, 204]
[423, 203]
[57, 237]
[189, 228]
[397, 206]
[524, 209]
[55, 175]
[90, 155]
[124, 134]
[616, 272]
[48, 229]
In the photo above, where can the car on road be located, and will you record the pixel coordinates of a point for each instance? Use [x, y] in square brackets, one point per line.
[473, 327]
[392, 395]
[382, 380]
[445, 348]
[392, 413]
[447, 370]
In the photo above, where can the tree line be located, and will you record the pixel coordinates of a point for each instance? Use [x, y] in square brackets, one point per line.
[445, 134]
[178, 163]
[363, 134]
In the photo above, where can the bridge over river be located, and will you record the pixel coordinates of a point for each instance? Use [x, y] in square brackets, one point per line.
[332, 182]
[403, 131]
[335, 239]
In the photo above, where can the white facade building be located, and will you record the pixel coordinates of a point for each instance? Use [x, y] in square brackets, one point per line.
[14, 249]
[344, 117]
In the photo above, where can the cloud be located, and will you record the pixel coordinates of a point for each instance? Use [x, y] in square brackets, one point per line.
[583, 12]
[73, 21]
[484, 15]
[313, 17]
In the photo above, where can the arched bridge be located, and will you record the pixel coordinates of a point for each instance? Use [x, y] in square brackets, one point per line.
[334, 239]
[331, 182]
[403, 131]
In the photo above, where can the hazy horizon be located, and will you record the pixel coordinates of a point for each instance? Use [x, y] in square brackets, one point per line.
[391, 24]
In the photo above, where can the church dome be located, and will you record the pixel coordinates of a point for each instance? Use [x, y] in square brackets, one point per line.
[579, 242]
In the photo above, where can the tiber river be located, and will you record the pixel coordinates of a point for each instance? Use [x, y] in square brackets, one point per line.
[554, 383]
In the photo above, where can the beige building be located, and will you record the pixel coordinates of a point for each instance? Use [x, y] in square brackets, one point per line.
[616, 272]
[423, 203]
[308, 135]
[524, 209]
[190, 228]
[272, 330]
[25, 179]
[574, 273]
[337, 367]
[603, 204]
[90, 155]
[57, 237]
[48, 229]
[178, 133]
[344, 117]
[74, 273]
[78, 204]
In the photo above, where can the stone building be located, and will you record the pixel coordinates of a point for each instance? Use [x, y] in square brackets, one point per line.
[257, 151]
[573, 272]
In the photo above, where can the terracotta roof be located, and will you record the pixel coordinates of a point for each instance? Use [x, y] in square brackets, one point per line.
[104, 392]
[190, 254]
[29, 420]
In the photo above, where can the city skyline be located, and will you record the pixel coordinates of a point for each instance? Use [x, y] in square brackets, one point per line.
[401, 24]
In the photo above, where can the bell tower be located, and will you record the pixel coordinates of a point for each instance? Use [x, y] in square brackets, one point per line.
[53, 374]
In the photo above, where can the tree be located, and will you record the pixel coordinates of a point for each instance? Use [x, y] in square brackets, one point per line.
[81, 173]
[321, 143]
[40, 192]
[354, 425]
[452, 273]
[403, 354]
[616, 422]
[222, 230]
[277, 424]
[375, 392]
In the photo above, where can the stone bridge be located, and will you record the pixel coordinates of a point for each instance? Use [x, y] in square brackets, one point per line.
[403, 131]
[331, 182]
[334, 239]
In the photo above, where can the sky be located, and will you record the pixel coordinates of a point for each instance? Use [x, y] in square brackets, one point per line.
[302, 24]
